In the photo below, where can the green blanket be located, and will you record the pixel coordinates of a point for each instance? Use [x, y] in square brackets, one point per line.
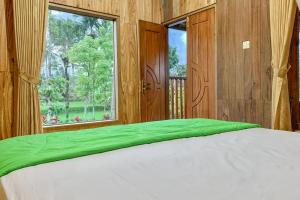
[20, 152]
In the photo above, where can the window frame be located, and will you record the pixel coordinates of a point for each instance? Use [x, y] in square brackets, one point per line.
[116, 24]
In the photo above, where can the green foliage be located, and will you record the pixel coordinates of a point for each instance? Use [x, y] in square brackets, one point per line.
[64, 32]
[91, 25]
[175, 68]
[50, 91]
[94, 58]
[73, 108]
[181, 71]
[78, 67]
[173, 58]
[106, 76]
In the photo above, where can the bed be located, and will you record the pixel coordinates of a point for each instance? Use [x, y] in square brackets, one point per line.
[246, 163]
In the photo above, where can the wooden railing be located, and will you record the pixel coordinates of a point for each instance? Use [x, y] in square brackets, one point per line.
[177, 103]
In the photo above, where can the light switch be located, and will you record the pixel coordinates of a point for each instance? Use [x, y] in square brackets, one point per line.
[246, 45]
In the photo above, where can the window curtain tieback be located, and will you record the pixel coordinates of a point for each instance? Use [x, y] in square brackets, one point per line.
[29, 79]
[282, 71]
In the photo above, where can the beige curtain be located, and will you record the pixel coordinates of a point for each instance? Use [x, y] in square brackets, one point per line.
[29, 27]
[282, 17]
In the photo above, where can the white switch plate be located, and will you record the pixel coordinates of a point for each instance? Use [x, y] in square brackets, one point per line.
[246, 45]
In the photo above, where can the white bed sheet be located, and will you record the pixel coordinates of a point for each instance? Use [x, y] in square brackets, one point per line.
[254, 164]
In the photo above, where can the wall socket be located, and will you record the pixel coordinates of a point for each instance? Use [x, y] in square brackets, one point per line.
[246, 45]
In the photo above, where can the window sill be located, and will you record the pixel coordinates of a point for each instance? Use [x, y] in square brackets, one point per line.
[79, 126]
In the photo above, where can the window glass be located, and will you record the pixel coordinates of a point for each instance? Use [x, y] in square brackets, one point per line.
[78, 75]
[177, 52]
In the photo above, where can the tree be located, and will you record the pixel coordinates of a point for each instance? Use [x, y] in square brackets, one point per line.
[94, 60]
[50, 91]
[181, 70]
[91, 26]
[63, 34]
[86, 54]
[173, 61]
[176, 69]
[106, 94]
[173, 58]
[78, 63]
[53, 83]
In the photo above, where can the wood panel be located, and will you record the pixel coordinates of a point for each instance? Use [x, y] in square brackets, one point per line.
[201, 72]
[130, 11]
[244, 76]
[3, 55]
[105, 6]
[153, 71]
[176, 8]
[5, 80]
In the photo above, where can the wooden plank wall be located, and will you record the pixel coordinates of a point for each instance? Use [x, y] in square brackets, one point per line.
[3, 48]
[243, 76]
[130, 11]
[175, 8]
[5, 80]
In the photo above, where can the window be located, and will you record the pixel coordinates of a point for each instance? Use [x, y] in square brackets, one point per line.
[78, 75]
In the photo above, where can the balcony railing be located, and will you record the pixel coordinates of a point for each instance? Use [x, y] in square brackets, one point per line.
[177, 103]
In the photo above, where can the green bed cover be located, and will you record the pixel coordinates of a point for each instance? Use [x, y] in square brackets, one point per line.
[25, 151]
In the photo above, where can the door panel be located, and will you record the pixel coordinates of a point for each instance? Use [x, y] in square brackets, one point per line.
[201, 90]
[153, 71]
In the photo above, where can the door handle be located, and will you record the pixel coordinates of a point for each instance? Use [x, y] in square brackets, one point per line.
[145, 85]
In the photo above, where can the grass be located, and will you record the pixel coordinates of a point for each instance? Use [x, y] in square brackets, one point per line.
[89, 116]
[73, 104]
[99, 114]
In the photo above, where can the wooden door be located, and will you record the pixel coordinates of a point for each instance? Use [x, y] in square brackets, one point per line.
[201, 72]
[153, 71]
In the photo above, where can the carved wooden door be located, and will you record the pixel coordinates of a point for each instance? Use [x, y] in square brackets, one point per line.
[201, 72]
[153, 71]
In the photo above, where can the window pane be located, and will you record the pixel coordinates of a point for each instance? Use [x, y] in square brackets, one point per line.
[78, 77]
[177, 52]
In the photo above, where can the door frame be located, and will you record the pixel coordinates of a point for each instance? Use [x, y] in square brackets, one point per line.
[182, 18]
[167, 25]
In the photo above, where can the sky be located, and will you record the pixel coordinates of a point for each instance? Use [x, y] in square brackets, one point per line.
[177, 39]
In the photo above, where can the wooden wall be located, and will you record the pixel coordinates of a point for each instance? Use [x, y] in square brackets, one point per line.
[5, 80]
[175, 8]
[3, 49]
[130, 11]
[244, 76]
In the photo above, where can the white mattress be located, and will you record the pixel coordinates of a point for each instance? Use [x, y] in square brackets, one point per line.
[254, 164]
